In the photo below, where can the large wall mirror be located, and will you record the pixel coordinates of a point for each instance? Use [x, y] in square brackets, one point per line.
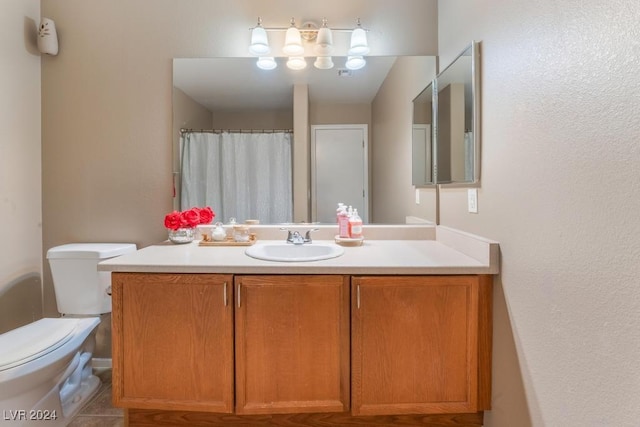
[457, 95]
[233, 94]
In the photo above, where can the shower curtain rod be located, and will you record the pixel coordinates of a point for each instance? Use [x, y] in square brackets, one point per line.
[182, 131]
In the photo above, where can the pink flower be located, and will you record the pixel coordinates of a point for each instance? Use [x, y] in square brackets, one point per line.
[191, 218]
[173, 221]
[206, 215]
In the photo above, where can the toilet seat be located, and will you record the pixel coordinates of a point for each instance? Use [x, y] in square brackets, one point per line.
[34, 340]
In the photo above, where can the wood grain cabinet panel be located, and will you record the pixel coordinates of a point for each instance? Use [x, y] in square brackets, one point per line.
[415, 344]
[292, 344]
[173, 341]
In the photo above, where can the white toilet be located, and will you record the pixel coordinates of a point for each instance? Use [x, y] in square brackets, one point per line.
[45, 367]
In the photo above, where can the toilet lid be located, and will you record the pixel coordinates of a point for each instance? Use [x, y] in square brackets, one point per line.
[34, 340]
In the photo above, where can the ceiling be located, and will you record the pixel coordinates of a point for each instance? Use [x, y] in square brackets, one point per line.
[231, 84]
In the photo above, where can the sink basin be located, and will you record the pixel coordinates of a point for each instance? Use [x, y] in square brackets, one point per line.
[288, 252]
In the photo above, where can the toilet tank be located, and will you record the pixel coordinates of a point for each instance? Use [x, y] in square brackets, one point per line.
[80, 288]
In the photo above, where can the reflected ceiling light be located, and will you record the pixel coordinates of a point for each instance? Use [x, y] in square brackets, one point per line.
[324, 40]
[266, 63]
[359, 44]
[355, 62]
[296, 63]
[323, 63]
[259, 41]
[293, 41]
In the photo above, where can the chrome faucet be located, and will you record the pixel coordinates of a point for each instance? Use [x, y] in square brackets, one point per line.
[296, 238]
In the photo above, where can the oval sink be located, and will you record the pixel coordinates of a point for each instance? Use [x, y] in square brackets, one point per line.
[288, 252]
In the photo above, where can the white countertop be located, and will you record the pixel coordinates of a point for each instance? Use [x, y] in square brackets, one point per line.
[450, 252]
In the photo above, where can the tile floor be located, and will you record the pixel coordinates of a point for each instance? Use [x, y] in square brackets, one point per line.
[99, 412]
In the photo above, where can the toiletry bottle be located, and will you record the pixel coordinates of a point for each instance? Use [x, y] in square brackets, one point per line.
[355, 225]
[343, 221]
[338, 210]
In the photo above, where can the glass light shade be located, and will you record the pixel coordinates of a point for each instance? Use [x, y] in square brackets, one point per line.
[359, 44]
[296, 63]
[293, 42]
[323, 63]
[259, 42]
[324, 42]
[355, 62]
[266, 63]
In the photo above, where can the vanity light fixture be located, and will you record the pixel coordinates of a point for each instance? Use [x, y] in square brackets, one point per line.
[293, 41]
[266, 63]
[296, 63]
[359, 45]
[259, 41]
[324, 41]
[355, 62]
[323, 63]
[309, 32]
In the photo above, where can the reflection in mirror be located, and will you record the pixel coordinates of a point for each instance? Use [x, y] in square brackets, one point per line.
[421, 158]
[457, 136]
[233, 94]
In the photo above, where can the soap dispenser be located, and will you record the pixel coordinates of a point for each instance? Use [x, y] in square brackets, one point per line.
[355, 225]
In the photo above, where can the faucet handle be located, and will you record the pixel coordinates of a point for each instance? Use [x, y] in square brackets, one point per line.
[307, 235]
[289, 234]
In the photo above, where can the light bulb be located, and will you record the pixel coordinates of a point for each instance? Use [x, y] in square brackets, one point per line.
[359, 44]
[293, 42]
[323, 63]
[355, 62]
[266, 63]
[296, 63]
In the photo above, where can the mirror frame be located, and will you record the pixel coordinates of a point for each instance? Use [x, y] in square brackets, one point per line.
[474, 49]
[429, 159]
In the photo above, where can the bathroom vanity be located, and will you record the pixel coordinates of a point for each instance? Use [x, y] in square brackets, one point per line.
[394, 332]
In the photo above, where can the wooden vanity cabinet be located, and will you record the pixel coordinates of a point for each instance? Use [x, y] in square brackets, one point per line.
[173, 341]
[221, 350]
[420, 344]
[292, 344]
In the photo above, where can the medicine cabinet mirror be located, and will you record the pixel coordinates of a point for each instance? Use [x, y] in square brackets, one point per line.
[457, 136]
[421, 139]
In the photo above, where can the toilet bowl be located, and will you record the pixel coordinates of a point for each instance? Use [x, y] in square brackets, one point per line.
[46, 374]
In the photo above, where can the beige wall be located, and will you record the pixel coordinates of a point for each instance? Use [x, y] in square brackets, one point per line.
[392, 195]
[20, 165]
[560, 191]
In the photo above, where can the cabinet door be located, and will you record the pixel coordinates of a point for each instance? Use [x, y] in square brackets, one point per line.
[292, 344]
[173, 341]
[414, 345]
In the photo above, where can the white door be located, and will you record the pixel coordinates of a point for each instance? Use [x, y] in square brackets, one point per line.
[339, 170]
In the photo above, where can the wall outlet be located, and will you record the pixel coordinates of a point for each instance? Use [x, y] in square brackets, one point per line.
[417, 196]
[472, 199]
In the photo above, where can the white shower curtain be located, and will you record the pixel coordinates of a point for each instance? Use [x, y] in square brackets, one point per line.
[240, 175]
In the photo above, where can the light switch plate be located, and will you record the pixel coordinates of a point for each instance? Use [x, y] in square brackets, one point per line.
[472, 199]
[417, 196]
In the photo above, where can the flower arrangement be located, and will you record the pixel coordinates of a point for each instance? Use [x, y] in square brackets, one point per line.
[189, 218]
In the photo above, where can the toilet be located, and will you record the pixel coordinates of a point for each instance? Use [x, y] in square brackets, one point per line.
[45, 367]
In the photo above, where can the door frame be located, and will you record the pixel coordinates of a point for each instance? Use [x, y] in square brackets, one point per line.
[365, 179]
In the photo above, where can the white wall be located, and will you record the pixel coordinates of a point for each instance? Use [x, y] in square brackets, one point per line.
[20, 163]
[560, 191]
